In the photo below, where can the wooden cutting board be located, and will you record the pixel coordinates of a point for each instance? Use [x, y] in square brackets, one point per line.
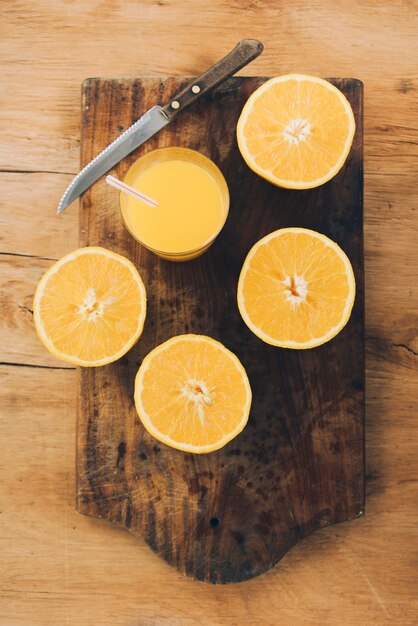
[299, 464]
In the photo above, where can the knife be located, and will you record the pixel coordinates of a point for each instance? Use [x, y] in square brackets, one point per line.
[157, 117]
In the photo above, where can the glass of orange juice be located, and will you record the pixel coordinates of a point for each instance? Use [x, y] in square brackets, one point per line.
[193, 200]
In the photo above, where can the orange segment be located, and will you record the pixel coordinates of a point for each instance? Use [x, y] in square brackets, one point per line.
[89, 307]
[296, 131]
[296, 288]
[192, 394]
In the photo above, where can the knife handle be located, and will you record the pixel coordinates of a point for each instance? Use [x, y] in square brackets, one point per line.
[244, 52]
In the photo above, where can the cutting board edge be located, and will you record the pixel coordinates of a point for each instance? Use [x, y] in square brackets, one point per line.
[83, 509]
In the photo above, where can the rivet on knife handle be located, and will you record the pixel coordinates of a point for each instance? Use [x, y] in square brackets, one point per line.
[244, 52]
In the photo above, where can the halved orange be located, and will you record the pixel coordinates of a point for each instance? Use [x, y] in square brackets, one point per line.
[296, 288]
[89, 307]
[296, 131]
[192, 394]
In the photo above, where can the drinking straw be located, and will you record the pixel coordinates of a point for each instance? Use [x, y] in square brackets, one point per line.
[119, 184]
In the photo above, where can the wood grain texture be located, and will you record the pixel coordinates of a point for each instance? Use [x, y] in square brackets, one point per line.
[298, 465]
[376, 41]
[18, 339]
[28, 220]
[62, 568]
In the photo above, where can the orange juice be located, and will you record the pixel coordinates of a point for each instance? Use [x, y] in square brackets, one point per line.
[193, 202]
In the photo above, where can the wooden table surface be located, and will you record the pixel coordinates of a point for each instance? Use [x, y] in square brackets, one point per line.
[58, 567]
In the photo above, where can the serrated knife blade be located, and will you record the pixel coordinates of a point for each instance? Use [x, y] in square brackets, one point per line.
[150, 123]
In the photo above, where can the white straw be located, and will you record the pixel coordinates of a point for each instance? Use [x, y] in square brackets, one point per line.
[119, 184]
